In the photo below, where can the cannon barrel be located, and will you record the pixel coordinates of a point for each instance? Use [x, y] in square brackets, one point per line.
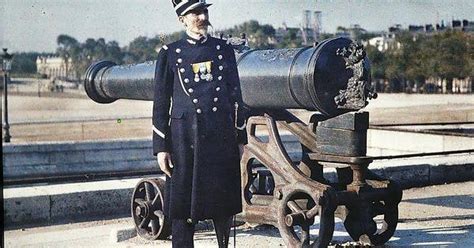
[332, 77]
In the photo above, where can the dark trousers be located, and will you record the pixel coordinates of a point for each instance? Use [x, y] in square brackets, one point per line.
[183, 232]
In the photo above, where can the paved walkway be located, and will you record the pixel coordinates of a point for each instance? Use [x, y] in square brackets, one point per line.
[434, 216]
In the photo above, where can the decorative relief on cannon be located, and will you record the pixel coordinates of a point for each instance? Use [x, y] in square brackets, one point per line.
[358, 90]
[282, 54]
[239, 44]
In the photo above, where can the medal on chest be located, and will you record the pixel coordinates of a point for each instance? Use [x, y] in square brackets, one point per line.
[202, 71]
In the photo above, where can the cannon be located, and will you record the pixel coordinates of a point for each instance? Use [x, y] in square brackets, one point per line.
[331, 78]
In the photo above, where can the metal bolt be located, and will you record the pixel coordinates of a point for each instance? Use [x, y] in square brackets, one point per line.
[279, 194]
[138, 211]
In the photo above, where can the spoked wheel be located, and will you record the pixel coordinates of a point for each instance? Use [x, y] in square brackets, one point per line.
[374, 222]
[147, 209]
[297, 215]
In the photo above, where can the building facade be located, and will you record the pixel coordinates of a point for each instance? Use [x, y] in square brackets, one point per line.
[55, 67]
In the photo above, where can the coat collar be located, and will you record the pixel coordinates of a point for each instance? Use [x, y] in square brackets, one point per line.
[193, 41]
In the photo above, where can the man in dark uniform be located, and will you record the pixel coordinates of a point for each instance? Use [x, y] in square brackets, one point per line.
[198, 127]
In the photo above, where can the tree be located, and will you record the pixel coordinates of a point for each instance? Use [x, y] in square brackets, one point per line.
[142, 49]
[445, 55]
[68, 48]
[25, 63]
[66, 42]
[377, 62]
[453, 59]
[114, 52]
[341, 29]
[291, 40]
[83, 54]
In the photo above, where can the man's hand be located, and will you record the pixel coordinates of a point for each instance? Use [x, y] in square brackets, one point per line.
[164, 161]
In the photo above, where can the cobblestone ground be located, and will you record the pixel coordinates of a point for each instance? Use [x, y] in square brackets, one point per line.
[435, 216]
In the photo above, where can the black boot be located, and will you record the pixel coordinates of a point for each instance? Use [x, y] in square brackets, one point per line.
[182, 233]
[222, 227]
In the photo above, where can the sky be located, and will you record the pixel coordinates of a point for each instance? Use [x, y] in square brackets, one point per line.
[33, 25]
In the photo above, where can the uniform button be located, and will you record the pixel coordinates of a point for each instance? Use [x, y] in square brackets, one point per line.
[195, 100]
[198, 111]
[186, 80]
[196, 79]
[216, 99]
[218, 88]
[190, 90]
[236, 88]
[219, 78]
[178, 50]
[221, 67]
[182, 70]
[219, 57]
[218, 47]
[189, 221]
[214, 109]
[180, 60]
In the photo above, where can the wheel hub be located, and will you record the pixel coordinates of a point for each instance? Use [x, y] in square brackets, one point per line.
[143, 210]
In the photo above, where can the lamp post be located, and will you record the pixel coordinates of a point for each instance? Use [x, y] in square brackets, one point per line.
[6, 67]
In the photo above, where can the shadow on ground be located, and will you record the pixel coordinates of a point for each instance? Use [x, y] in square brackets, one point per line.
[452, 201]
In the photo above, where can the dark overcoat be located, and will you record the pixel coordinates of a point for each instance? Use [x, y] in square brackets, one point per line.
[198, 117]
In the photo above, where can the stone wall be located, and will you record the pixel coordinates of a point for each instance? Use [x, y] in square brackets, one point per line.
[56, 159]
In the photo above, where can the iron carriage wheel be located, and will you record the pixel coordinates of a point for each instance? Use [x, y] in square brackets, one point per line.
[361, 223]
[147, 209]
[297, 214]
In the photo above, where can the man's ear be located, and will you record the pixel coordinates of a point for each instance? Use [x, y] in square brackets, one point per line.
[181, 19]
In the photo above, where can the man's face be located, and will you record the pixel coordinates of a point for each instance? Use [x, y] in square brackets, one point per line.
[197, 20]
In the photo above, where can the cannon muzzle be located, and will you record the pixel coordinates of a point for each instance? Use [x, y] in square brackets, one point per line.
[332, 77]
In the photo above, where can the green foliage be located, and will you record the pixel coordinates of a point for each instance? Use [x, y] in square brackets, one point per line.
[25, 63]
[453, 56]
[142, 49]
[377, 60]
[445, 55]
[259, 36]
[83, 54]
[290, 40]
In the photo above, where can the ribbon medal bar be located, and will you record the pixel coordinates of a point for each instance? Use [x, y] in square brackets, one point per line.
[202, 71]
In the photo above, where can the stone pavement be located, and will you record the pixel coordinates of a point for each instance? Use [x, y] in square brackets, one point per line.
[433, 216]
[35, 205]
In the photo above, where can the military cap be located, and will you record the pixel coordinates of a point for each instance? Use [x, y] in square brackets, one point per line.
[184, 6]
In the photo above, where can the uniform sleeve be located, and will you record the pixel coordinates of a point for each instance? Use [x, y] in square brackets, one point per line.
[241, 112]
[161, 103]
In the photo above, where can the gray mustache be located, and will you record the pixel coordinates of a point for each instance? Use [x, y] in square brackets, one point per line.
[204, 23]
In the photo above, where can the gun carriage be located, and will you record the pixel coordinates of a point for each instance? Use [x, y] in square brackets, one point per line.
[331, 78]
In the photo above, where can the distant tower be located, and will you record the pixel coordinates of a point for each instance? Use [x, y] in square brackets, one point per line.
[317, 25]
[305, 26]
[306, 19]
[304, 35]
